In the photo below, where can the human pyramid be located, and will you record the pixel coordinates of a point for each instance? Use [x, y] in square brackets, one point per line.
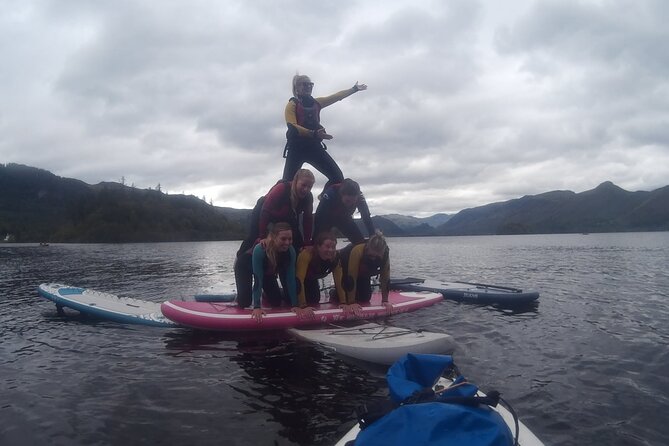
[287, 242]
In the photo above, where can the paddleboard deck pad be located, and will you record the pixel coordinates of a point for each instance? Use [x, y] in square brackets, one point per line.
[468, 291]
[223, 316]
[105, 305]
[381, 344]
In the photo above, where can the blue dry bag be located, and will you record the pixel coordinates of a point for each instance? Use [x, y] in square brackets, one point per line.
[422, 417]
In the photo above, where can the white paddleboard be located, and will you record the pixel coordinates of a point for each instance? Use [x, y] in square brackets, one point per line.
[525, 435]
[376, 343]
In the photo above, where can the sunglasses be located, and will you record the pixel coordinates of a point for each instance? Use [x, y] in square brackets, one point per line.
[307, 84]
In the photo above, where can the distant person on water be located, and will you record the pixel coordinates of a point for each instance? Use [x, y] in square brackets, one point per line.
[338, 203]
[360, 263]
[305, 133]
[256, 270]
[286, 201]
[314, 263]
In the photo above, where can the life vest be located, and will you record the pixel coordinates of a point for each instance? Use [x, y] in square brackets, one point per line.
[368, 267]
[318, 268]
[308, 113]
[293, 220]
[372, 267]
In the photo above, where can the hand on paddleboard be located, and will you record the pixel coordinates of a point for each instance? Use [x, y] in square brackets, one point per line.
[389, 308]
[304, 313]
[353, 308]
[257, 314]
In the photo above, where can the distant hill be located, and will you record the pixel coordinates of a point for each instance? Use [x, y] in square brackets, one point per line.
[417, 226]
[607, 208]
[38, 206]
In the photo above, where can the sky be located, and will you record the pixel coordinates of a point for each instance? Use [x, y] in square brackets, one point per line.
[468, 102]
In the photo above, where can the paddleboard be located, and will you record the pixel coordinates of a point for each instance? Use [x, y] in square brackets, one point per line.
[381, 344]
[218, 292]
[228, 317]
[468, 291]
[105, 305]
[525, 436]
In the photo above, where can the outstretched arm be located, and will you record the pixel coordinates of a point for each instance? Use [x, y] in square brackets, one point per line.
[329, 100]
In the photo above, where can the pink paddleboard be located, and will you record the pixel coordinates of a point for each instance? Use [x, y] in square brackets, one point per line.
[228, 317]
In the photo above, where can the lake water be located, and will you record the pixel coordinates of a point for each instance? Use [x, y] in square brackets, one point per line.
[588, 365]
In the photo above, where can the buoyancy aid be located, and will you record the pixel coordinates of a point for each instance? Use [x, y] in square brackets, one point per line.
[307, 112]
[319, 268]
[368, 267]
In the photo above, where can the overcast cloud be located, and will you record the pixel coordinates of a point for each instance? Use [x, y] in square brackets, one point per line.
[469, 102]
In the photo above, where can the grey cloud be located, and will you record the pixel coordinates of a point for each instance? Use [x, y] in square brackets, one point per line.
[565, 95]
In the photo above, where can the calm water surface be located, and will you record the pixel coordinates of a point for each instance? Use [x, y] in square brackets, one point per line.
[587, 365]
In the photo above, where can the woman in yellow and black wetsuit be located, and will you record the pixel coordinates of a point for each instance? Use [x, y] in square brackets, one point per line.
[305, 133]
[360, 262]
[313, 263]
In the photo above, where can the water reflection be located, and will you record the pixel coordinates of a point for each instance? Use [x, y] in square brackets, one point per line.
[309, 392]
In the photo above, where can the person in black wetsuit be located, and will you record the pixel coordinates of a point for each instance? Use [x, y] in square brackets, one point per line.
[305, 133]
[338, 203]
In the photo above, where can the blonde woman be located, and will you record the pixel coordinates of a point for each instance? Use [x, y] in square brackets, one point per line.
[256, 270]
[288, 202]
[305, 133]
[360, 262]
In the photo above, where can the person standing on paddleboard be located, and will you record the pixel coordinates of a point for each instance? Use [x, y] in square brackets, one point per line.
[360, 263]
[305, 133]
[313, 263]
[336, 208]
[256, 270]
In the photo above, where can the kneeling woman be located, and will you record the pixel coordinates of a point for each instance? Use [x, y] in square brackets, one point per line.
[260, 267]
[360, 262]
[316, 262]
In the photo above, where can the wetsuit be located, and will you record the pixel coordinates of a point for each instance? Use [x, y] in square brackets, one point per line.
[276, 206]
[358, 272]
[303, 146]
[253, 267]
[332, 212]
[309, 269]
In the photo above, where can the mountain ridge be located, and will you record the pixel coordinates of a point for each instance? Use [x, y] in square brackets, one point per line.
[38, 206]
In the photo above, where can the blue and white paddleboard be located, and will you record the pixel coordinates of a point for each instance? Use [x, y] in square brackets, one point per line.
[105, 305]
[470, 292]
[218, 292]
